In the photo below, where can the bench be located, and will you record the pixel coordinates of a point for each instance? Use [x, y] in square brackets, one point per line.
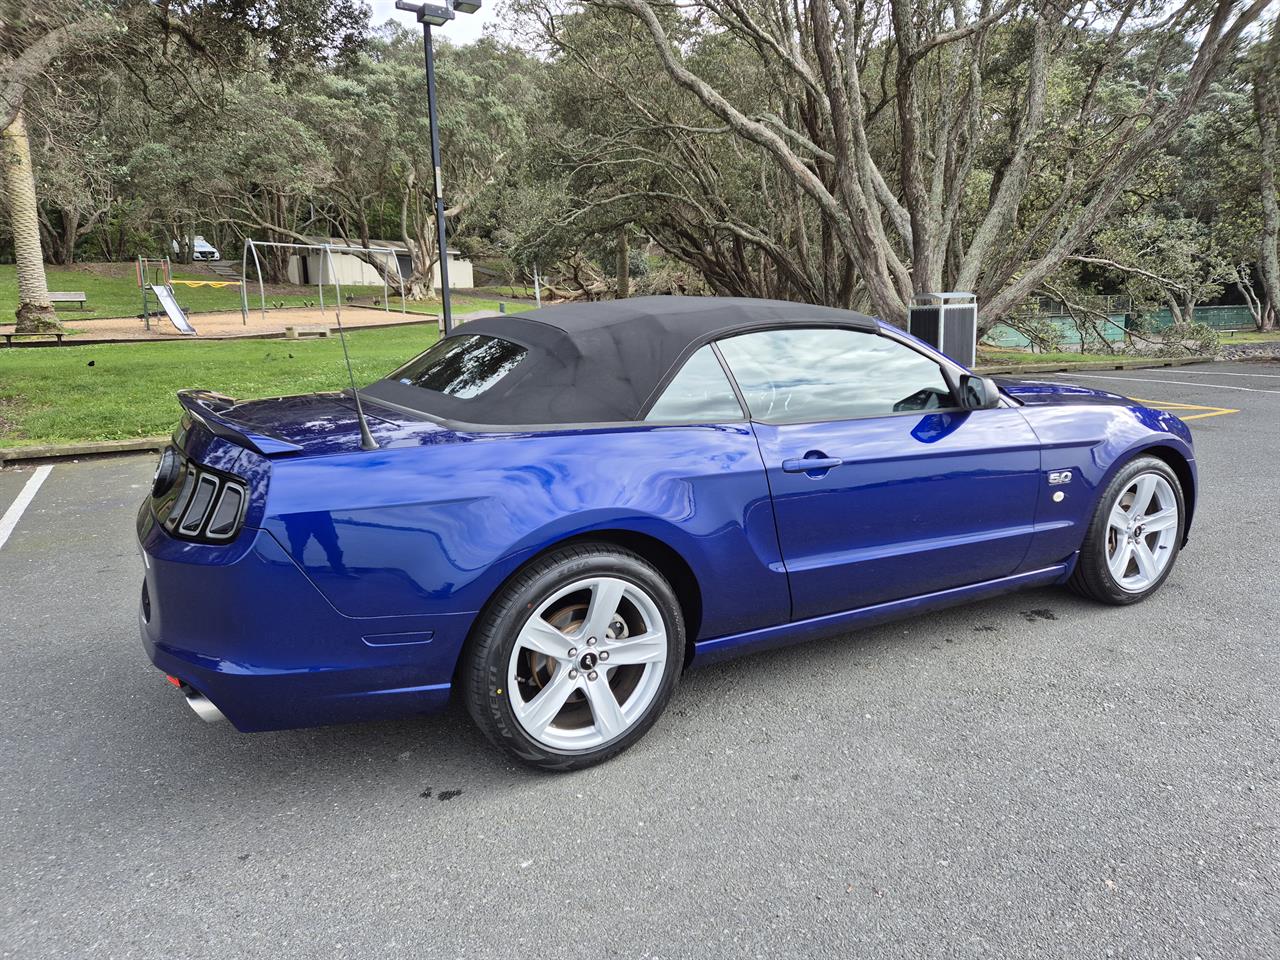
[75, 296]
[8, 337]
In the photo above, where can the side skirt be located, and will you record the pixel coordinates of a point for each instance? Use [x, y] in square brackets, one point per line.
[737, 644]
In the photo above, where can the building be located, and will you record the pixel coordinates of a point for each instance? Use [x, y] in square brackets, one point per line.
[307, 267]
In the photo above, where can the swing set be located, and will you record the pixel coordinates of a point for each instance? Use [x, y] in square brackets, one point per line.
[327, 250]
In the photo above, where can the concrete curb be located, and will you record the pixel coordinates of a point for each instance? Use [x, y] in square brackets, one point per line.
[1015, 368]
[65, 451]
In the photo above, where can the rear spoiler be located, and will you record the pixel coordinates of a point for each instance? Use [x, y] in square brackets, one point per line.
[207, 408]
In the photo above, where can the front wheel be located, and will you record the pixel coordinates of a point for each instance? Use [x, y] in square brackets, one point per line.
[575, 658]
[1135, 535]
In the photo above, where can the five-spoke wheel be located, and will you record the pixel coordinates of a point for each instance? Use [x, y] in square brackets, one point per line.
[576, 657]
[1135, 534]
[1142, 528]
[587, 663]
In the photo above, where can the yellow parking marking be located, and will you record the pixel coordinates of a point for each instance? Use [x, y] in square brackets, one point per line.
[1175, 407]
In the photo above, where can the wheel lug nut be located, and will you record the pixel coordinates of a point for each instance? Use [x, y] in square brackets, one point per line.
[592, 675]
[591, 641]
[573, 674]
[573, 651]
[604, 654]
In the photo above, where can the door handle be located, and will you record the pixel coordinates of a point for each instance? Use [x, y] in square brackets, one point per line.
[814, 463]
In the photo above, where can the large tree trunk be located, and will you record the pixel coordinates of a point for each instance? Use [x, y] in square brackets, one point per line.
[1267, 101]
[35, 311]
[622, 265]
[70, 235]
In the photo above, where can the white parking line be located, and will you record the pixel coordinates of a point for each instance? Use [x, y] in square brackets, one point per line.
[25, 496]
[1222, 373]
[1183, 383]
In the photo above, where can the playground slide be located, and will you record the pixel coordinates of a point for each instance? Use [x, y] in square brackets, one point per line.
[176, 316]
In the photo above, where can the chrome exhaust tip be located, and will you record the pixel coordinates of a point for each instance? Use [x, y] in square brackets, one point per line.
[204, 708]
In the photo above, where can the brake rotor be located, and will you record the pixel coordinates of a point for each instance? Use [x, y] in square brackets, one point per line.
[567, 619]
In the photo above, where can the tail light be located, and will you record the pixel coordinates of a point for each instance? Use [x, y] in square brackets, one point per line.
[202, 504]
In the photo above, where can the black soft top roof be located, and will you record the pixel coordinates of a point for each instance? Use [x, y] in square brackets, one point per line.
[602, 362]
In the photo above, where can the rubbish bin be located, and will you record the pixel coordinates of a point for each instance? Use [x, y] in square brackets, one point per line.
[948, 321]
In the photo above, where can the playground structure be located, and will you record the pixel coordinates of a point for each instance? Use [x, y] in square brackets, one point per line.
[162, 289]
[327, 250]
[291, 311]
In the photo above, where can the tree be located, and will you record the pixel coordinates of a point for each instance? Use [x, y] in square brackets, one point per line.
[35, 311]
[1267, 106]
[169, 60]
[81, 132]
[32, 36]
[904, 146]
[1163, 262]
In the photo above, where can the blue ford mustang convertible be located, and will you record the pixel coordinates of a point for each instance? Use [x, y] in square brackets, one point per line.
[552, 515]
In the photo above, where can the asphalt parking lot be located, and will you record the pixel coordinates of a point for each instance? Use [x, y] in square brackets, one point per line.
[1034, 776]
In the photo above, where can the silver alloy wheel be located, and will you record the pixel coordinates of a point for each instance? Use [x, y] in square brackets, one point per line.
[587, 663]
[1141, 531]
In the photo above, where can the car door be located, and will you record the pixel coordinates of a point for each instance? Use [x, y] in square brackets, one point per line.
[882, 487]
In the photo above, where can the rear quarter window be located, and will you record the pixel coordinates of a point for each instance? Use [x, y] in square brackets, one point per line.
[699, 393]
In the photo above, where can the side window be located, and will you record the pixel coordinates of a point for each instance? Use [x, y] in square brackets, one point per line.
[803, 375]
[699, 393]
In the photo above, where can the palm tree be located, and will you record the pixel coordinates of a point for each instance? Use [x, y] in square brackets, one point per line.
[35, 312]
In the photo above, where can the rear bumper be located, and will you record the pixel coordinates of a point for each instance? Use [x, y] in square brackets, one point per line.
[245, 627]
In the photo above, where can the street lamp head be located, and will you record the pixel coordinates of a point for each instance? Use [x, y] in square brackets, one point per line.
[466, 6]
[437, 15]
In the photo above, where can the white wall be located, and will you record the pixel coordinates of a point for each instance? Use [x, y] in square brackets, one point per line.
[460, 274]
[347, 268]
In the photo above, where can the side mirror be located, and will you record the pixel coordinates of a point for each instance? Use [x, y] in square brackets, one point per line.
[978, 393]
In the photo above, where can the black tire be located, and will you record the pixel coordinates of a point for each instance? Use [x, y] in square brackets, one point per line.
[489, 649]
[1092, 576]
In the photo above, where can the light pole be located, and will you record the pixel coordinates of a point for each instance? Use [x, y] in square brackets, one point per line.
[437, 15]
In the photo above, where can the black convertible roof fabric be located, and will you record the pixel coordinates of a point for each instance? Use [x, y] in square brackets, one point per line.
[602, 362]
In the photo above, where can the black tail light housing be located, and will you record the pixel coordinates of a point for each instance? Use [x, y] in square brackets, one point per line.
[193, 502]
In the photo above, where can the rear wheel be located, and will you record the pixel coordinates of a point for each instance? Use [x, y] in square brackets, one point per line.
[576, 658]
[1135, 535]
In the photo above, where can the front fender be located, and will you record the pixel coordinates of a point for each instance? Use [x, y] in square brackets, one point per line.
[1092, 442]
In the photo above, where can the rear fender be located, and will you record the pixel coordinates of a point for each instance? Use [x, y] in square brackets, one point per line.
[439, 528]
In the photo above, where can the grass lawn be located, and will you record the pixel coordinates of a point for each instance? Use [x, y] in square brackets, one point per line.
[506, 290]
[1249, 336]
[112, 291]
[1017, 356]
[123, 391]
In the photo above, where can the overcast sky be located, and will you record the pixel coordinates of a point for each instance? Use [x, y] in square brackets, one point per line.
[465, 27]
